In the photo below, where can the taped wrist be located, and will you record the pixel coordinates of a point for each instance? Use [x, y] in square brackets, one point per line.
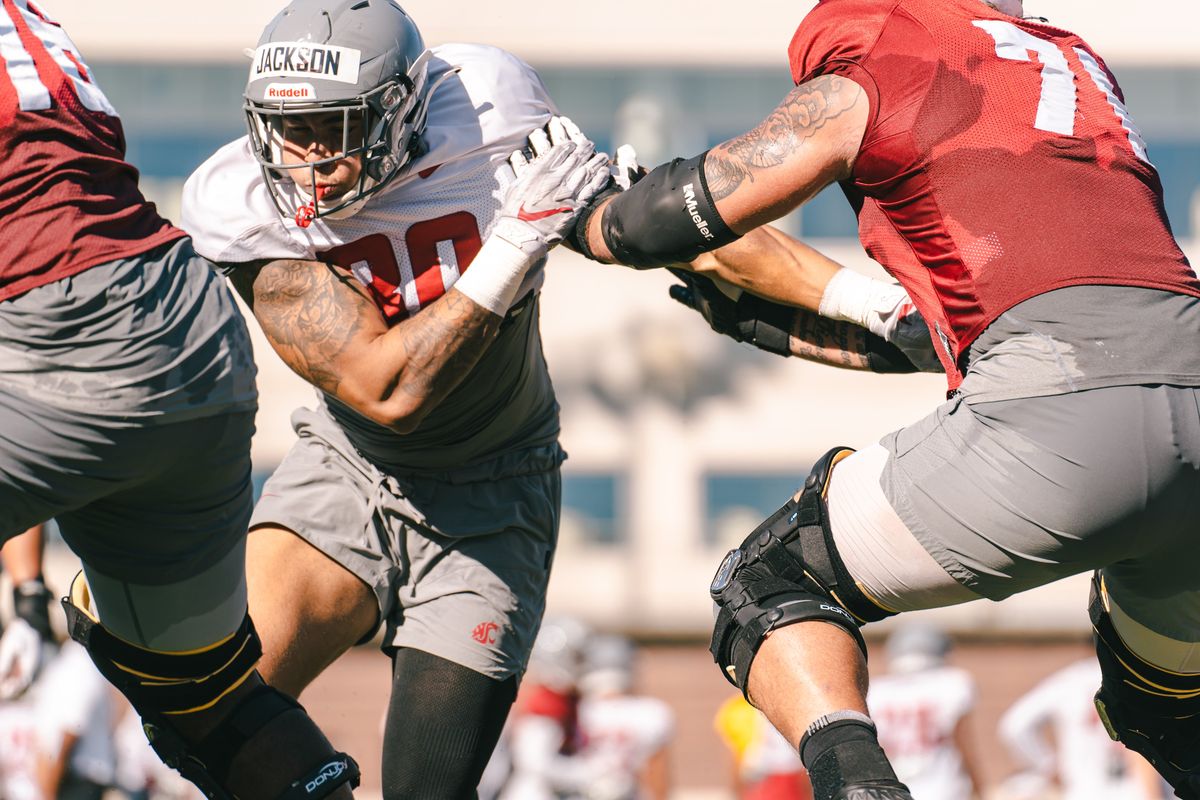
[31, 602]
[668, 217]
[495, 274]
[866, 302]
[576, 238]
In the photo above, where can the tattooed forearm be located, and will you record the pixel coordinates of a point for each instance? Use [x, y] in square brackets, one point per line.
[443, 343]
[840, 344]
[806, 109]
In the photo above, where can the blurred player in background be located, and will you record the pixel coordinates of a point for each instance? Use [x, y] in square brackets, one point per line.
[373, 224]
[1071, 439]
[1053, 732]
[127, 403]
[626, 736]
[923, 708]
[765, 765]
[544, 740]
[28, 640]
[75, 716]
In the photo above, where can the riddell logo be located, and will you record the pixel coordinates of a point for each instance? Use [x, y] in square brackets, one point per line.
[290, 91]
[329, 772]
[485, 632]
[689, 200]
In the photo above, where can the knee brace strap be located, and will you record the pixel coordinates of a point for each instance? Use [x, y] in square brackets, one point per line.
[207, 763]
[161, 682]
[1130, 678]
[786, 571]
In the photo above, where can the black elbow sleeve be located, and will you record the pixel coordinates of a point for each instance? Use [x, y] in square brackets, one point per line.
[668, 217]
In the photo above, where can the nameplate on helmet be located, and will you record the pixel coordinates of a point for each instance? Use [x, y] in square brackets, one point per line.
[305, 60]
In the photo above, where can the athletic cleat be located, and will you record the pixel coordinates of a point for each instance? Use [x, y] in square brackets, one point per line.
[875, 790]
[1171, 744]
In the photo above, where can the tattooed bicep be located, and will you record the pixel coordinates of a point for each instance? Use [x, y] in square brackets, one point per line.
[312, 313]
[807, 110]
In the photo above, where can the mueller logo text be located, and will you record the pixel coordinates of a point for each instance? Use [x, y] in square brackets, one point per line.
[485, 632]
[306, 60]
[689, 201]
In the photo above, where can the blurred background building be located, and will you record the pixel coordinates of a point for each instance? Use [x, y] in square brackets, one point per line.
[680, 441]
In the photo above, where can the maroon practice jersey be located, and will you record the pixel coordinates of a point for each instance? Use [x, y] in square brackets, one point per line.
[68, 199]
[999, 161]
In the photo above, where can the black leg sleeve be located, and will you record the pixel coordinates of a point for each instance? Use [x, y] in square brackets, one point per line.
[443, 722]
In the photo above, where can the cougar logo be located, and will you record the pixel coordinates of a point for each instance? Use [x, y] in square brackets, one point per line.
[689, 201]
[329, 772]
[485, 632]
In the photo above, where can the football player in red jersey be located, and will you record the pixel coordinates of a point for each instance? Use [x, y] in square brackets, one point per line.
[127, 404]
[997, 174]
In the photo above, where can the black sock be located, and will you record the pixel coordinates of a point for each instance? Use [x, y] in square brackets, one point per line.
[840, 749]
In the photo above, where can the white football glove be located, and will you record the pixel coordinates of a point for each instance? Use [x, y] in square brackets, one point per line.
[564, 174]
[23, 653]
[560, 175]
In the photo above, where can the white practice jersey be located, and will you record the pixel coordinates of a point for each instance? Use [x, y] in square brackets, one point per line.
[620, 735]
[18, 751]
[72, 697]
[408, 245]
[1090, 765]
[916, 714]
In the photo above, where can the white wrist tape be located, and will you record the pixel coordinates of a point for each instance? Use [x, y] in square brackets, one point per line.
[495, 274]
[873, 304]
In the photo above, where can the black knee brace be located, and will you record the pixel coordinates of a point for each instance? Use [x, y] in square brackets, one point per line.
[786, 571]
[1150, 710]
[162, 685]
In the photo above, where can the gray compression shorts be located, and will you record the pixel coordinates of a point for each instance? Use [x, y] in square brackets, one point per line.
[459, 562]
[1012, 494]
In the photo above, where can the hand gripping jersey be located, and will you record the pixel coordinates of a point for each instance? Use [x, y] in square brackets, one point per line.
[408, 245]
[68, 199]
[999, 161]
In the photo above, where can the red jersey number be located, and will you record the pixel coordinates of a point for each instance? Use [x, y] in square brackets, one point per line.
[439, 250]
[21, 37]
[1058, 99]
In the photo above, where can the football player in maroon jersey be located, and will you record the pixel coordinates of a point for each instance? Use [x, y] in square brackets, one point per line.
[127, 403]
[997, 174]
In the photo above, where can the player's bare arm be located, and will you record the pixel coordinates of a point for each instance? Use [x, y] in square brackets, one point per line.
[809, 141]
[324, 326]
[772, 265]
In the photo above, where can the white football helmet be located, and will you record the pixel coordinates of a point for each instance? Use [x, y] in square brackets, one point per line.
[363, 58]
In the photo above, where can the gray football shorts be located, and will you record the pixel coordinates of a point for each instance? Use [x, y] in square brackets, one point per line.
[459, 562]
[1013, 494]
[127, 405]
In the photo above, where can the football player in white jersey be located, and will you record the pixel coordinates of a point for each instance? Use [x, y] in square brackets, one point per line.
[372, 222]
[1082, 760]
[922, 707]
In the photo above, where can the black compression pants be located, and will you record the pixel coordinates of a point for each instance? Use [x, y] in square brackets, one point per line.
[443, 722]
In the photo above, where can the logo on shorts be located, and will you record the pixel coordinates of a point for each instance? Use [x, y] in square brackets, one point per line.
[485, 632]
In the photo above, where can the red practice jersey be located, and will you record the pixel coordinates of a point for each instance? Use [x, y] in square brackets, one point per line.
[68, 199]
[999, 161]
